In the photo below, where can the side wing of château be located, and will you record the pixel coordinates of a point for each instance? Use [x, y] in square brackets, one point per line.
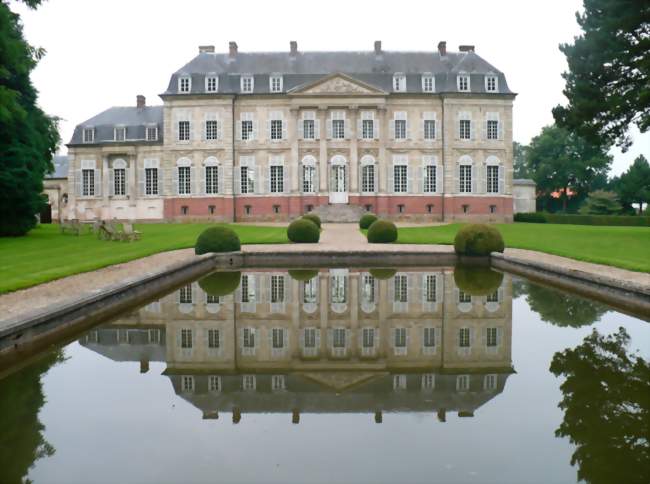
[269, 136]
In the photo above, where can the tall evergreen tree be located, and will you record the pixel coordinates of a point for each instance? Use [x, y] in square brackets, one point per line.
[633, 186]
[28, 137]
[608, 82]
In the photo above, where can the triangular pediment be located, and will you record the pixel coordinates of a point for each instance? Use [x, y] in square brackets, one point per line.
[340, 381]
[337, 84]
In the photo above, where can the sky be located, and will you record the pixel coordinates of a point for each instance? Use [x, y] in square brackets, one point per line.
[102, 53]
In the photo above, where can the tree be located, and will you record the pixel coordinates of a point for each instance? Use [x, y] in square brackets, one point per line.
[608, 82]
[601, 202]
[28, 137]
[633, 186]
[561, 161]
[519, 160]
[606, 403]
[562, 309]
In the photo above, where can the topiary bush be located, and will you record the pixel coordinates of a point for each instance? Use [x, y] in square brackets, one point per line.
[367, 219]
[532, 217]
[303, 230]
[382, 232]
[313, 217]
[382, 274]
[477, 280]
[220, 283]
[478, 240]
[303, 274]
[217, 239]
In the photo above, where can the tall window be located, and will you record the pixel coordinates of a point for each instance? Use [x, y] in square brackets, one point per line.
[400, 337]
[88, 183]
[465, 172]
[185, 294]
[276, 83]
[400, 178]
[464, 297]
[368, 288]
[492, 179]
[184, 180]
[429, 129]
[310, 291]
[310, 337]
[463, 82]
[89, 135]
[428, 83]
[399, 83]
[214, 338]
[187, 383]
[400, 125]
[368, 178]
[491, 339]
[183, 131]
[368, 337]
[214, 383]
[368, 129]
[186, 338]
[211, 129]
[308, 175]
[492, 129]
[308, 131]
[277, 289]
[429, 178]
[249, 338]
[277, 179]
[151, 181]
[430, 288]
[429, 337]
[247, 174]
[119, 181]
[211, 84]
[184, 84]
[152, 133]
[276, 129]
[463, 337]
[119, 133]
[211, 180]
[491, 84]
[401, 288]
[246, 129]
[465, 129]
[338, 128]
[277, 337]
[247, 84]
[338, 337]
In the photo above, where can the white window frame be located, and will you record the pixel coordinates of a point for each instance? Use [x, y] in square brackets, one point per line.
[277, 174]
[211, 79]
[467, 163]
[276, 87]
[184, 84]
[147, 129]
[464, 127]
[247, 84]
[463, 82]
[88, 130]
[401, 117]
[186, 165]
[368, 162]
[249, 118]
[429, 117]
[180, 132]
[402, 162]
[428, 82]
[213, 133]
[120, 166]
[491, 77]
[338, 115]
[276, 135]
[211, 164]
[493, 161]
[309, 162]
[399, 82]
[429, 164]
[119, 128]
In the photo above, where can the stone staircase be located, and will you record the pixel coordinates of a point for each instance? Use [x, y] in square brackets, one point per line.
[339, 213]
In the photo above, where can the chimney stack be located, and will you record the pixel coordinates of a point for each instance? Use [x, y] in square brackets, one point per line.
[442, 48]
[293, 48]
[206, 49]
[232, 49]
[377, 47]
[140, 101]
[466, 48]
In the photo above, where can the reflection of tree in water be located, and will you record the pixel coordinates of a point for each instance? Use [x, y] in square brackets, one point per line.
[606, 407]
[21, 438]
[563, 309]
[519, 287]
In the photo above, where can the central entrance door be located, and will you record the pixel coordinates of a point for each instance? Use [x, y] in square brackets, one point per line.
[338, 180]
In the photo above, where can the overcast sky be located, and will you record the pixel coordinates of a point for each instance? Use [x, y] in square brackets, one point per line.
[102, 53]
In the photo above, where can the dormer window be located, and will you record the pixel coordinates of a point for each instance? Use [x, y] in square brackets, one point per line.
[211, 84]
[184, 84]
[491, 83]
[247, 84]
[89, 135]
[152, 133]
[275, 83]
[428, 83]
[463, 82]
[119, 133]
[399, 83]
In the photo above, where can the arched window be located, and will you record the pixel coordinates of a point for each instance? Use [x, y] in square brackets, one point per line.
[183, 177]
[368, 174]
[211, 177]
[118, 178]
[309, 174]
[494, 175]
[465, 175]
[431, 174]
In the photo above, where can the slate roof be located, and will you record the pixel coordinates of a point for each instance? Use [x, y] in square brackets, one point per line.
[135, 119]
[60, 163]
[366, 66]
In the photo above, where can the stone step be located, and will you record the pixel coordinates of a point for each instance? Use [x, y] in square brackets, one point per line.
[339, 213]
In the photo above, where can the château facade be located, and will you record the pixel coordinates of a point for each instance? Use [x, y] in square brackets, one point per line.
[270, 136]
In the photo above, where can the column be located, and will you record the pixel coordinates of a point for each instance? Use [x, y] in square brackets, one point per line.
[105, 205]
[133, 184]
[382, 162]
[354, 153]
[294, 163]
[322, 154]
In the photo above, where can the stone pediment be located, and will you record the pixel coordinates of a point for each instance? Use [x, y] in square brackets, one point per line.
[337, 84]
[340, 381]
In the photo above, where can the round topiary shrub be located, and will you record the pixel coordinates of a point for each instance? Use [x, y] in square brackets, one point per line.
[382, 232]
[217, 239]
[366, 220]
[478, 240]
[477, 280]
[220, 283]
[313, 217]
[303, 230]
[303, 274]
[382, 274]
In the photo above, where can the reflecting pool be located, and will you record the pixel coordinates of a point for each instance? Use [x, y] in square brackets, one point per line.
[339, 375]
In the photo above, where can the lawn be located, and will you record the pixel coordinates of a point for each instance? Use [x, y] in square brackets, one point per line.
[44, 254]
[625, 247]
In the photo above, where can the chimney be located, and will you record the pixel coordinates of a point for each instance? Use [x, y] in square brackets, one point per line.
[442, 48]
[466, 48]
[377, 47]
[206, 49]
[232, 49]
[293, 48]
[140, 101]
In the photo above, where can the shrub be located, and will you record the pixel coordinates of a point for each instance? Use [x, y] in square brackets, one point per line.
[478, 240]
[220, 283]
[367, 219]
[303, 230]
[303, 274]
[382, 232]
[477, 280]
[313, 217]
[217, 239]
[533, 217]
[575, 219]
[382, 273]
[601, 202]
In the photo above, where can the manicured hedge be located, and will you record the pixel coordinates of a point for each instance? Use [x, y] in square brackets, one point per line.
[576, 219]
[382, 232]
[477, 280]
[478, 240]
[220, 283]
[313, 217]
[217, 239]
[304, 231]
[366, 220]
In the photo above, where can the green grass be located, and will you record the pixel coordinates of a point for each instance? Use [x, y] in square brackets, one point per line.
[625, 247]
[44, 254]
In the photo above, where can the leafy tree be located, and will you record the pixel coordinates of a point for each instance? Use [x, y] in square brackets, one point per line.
[633, 186]
[606, 403]
[28, 137]
[601, 202]
[563, 309]
[561, 161]
[519, 160]
[608, 82]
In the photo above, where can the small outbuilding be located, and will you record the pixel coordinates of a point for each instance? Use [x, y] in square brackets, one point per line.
[524, 195]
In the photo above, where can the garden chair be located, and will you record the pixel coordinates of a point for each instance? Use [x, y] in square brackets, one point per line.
[128, 233]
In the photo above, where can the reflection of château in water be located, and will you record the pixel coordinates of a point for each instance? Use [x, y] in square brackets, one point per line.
[342, 341]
